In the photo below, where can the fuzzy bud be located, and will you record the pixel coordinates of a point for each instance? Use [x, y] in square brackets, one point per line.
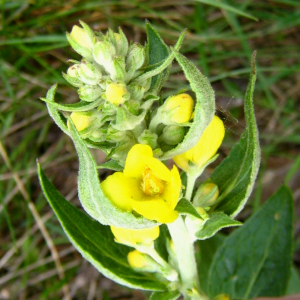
[82, 40]
[81, 120]
[104, 52]
[177, 109]
[117, 69]
[136, 57]
[89, 93]
[89, 73]
[206, 195]
[142, 262]
[172, 135]
[136, 91]
[115, 93]
[121, 43]
[148, 138]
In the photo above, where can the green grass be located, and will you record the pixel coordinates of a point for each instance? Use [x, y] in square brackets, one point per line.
[34, 52]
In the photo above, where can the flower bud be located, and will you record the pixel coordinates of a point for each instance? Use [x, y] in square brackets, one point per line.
[142, 262]
[148, 138]
[121, 43]
[103, 54]
[136, 57]
[115, 93]
[89, 73]
[114, 135]
[136, 91]
[172, 135]
[133, 237]
[98, 135]
[72, 76]
[177, 109]
[117, 69]
[206, 195]
[205, 149]
[82, 40]
[89, 93]
[81, 120]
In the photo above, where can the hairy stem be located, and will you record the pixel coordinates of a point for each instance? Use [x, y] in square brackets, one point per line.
[184, 250]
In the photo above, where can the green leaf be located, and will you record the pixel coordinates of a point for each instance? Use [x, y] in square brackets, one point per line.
[91, 196]
[160, 244]
[235, 176]
[111, 165]
[95, 242]
[79, 106]
[255, 259]
[185, 207]
[216, 222]
[104, 146]
[165, 295]
[54, 113]
[204, 108]
[158, 52]
[205, 251]
[228, 8]
[160, 70]
[294, 282]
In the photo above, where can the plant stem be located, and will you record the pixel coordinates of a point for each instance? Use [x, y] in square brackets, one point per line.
[154, 122]
[184, 249]
[191, 179]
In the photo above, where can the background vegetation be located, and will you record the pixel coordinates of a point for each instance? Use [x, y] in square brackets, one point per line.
[36, 259]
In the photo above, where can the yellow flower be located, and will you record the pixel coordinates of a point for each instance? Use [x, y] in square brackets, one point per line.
[81, 121]
[80, 36]
[137, 259]
[135, 236]
[206, 147]
[115, 92]
[146, 186]
[180, 107]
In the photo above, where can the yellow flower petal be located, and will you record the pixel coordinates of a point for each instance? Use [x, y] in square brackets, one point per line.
[172, 189]
[181, 107]
[115, 92]
[155, 209]
[209, 142]
[146, 186]
[136, 259]
[140, 156]
[134, 236]
[120, 190]
[80, 36]
[81, 121]
[206, 147]
[135, 162]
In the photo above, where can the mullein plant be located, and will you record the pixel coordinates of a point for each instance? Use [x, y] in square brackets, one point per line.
[142, 221]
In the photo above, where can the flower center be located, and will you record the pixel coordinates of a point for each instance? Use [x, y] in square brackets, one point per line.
[151, 184]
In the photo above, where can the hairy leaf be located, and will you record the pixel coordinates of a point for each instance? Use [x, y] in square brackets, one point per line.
[54, 113]
[216, 222]
[165, 295]
[235, 176]
[205, 251]
[185, 207]
[96, 242]
[79, 106]
[255, 259]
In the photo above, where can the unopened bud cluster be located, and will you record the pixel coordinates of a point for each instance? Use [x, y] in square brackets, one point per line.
[108, 79]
